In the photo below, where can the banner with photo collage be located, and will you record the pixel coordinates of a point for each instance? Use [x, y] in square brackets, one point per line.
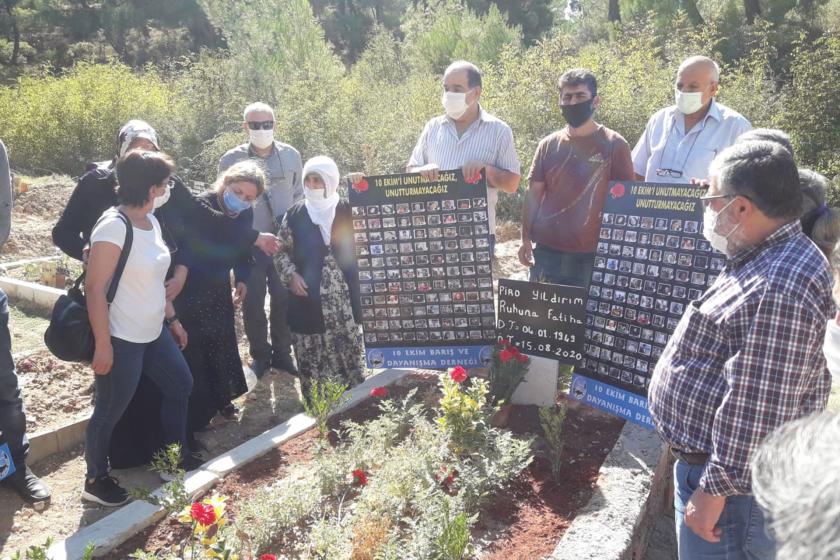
[651, 261]
[425, 272]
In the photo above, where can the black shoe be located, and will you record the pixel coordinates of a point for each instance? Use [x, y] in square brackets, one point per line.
[189, 463]
[259, 367]
[284, 362]
[27, 485]
[229, 412]
[106, 491]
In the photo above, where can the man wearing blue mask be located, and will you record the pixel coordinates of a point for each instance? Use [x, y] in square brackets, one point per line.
[283, 166]
[680, 141]
[468, 138]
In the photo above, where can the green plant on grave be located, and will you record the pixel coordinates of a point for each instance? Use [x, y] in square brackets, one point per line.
[508, 368]
[552, 419]
[463, 411]
[36, 552]
[325, 396]
[173, 495]
[454, 540]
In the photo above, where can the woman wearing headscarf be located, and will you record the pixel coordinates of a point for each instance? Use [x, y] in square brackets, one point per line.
[318, 264]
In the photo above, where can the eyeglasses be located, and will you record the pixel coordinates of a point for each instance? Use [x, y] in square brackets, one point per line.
[257, 125]
[710, 197]
[669, 172]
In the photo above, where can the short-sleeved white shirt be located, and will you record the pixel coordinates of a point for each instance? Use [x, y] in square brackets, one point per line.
[666, 145]
[488, 140]
[137, 312]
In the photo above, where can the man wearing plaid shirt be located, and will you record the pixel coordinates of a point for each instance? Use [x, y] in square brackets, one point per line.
[747, 356]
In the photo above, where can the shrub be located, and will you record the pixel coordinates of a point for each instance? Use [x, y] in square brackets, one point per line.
[552, 419]
[323, 398]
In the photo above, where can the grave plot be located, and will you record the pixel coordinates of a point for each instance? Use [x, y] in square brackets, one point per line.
[413, 470]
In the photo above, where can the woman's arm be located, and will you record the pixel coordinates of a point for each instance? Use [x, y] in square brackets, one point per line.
[175, 326]
[101, 266]
[286, 268]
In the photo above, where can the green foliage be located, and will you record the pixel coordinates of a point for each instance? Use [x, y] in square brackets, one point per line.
[173, 496]
[507, 370]
[463, 412]
[454, 539]
[325, 395]
[36, 552]
[62, 123]
[552, 419]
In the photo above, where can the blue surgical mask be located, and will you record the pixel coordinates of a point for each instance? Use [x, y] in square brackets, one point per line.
[234, 203]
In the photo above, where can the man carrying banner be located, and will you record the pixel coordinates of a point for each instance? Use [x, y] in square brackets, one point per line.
[680, 141]
[747, 356]
[567, 187]
[468, 138]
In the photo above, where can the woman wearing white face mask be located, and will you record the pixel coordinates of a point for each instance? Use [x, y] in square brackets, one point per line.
[318, 264]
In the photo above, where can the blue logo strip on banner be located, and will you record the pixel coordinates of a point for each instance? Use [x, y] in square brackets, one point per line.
[429, 357]
[617, 402]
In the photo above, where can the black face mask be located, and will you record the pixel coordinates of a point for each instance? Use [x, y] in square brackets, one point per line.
[577, 114]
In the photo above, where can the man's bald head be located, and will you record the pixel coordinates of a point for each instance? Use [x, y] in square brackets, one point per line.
[701, 64]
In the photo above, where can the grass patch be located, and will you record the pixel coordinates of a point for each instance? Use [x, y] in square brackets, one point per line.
[27, 329]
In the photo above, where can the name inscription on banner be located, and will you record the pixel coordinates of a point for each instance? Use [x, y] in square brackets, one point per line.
[545, 320]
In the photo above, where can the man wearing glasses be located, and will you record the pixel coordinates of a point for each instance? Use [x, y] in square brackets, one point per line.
[679, 142]
[284, 187]
[747, 356]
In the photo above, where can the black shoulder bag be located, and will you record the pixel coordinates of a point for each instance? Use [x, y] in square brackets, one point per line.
[69, 336]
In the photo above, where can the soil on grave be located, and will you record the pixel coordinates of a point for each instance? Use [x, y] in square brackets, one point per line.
[524, 522]
[54, 392]
[34, 214]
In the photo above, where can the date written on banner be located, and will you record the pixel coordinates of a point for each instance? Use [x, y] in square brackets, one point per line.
[545, 320]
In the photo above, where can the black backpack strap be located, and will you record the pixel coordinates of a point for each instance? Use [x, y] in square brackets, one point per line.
[126, 249]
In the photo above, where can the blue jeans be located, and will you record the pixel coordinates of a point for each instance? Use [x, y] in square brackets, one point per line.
[162, 362]
[12, 417]
[743, 535]
[558, 267]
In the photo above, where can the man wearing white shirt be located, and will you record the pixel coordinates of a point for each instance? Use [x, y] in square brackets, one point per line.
[468, 138]
[681, 141]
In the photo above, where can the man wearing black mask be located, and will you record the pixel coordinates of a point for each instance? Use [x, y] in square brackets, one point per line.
[567, 187]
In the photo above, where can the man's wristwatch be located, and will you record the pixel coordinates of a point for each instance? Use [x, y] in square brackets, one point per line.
[169, 321]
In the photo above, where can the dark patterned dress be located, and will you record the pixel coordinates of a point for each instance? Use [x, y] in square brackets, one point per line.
[339, 351]
[205, 307]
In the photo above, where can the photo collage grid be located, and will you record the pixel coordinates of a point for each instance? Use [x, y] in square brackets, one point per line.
[425, 272]
[646, 271]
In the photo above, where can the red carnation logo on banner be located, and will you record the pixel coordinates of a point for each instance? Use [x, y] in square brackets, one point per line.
[617, 190]
[361, 186]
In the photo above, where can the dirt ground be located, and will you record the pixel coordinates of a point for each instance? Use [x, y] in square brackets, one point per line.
[273, 401]
[34, 213]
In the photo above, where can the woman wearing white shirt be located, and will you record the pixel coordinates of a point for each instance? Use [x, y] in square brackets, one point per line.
[130, 335]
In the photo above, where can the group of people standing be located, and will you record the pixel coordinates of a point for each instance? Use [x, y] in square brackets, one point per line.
[746, 357]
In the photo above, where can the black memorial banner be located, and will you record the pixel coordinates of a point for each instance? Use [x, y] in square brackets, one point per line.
[545, 320]
[425, 273]
[651, 262]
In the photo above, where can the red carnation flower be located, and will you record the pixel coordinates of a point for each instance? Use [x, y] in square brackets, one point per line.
[268, 557]
[361, 186]
[506, 355]
[617, 190]
[458, 374]
[379, 392]
[204, 514]
[360, 477]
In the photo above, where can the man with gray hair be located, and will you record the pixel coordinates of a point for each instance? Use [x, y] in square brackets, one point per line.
[796, 479]
[468, 138]
[747, 356]
[680, 141]
[284, 187]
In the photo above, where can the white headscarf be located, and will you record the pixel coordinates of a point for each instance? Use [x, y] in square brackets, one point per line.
[134, 129]
[321, 203]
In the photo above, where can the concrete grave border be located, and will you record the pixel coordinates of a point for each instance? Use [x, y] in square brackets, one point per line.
[30, 294]
[114, 529]
[630, 491]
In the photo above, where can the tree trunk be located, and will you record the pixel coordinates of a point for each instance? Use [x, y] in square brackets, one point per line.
[752, 9]
[614, 11]
[692, 12]
[15, 32]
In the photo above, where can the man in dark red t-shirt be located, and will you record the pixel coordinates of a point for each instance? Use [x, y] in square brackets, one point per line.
[567, 187]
